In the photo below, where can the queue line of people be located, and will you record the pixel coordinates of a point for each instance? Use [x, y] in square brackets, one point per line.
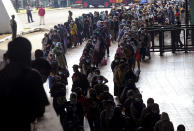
[90, 95]
[132, 112]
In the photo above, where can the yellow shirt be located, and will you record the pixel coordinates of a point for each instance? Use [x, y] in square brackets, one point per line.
[73, 29]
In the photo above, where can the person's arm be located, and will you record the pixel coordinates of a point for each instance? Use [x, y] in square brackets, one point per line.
[39, 12]
[104, 80]
[44, 12]
[16, 26]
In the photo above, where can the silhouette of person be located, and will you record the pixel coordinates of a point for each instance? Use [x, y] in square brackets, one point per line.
[13, 25]
[21, 88]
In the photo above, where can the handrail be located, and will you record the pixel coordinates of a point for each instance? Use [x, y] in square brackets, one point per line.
[167, 27]
[161, 29]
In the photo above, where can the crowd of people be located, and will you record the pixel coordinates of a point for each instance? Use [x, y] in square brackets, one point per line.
[90, 96]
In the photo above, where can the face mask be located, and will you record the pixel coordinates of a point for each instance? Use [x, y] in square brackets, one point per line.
[116, 60]
[87, 60]
[99, 81]
[60, 73]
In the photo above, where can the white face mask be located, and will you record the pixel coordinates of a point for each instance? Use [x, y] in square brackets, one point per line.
[54, 43]
[60, 73]
[99, 81]
[116, 60]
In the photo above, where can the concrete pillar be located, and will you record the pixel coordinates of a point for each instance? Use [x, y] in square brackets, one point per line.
[68, 3]
[192, 20]
[7, 9]
[45, 3]
[192, 12]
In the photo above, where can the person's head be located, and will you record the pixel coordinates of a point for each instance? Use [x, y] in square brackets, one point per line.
[45, 35]
[75, 68]
[38, 54]
[43, 66]
[97, 72]
[71, 22]
[70, 13]
[155, 108]
[13, 16]
[164, 116]
[92, 93]
[150, 101]
[85, 51]
[180, 127]
[93, 69]
[19, 51]
[73, 98]
[116, 57]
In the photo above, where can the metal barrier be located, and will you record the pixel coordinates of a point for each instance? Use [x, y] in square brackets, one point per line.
[157, 30]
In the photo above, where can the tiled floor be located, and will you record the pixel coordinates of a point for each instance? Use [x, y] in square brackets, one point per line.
[168, 79]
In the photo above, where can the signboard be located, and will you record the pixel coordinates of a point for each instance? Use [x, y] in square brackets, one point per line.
[144, 1]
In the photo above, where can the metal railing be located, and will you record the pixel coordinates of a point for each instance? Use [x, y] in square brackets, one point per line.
[158, 31]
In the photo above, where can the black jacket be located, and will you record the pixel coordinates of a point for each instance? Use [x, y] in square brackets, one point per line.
[21, 98]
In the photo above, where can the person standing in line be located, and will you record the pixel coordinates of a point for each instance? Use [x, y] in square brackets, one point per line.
[29, 14]
[180, 127]
[21, 88]
[13, 25]
[41, 13]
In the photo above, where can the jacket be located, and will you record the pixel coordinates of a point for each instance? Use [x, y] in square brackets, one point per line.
[41, 12]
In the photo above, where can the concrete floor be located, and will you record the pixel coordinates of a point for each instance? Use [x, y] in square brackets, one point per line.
[53, 17]
[167, 79]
